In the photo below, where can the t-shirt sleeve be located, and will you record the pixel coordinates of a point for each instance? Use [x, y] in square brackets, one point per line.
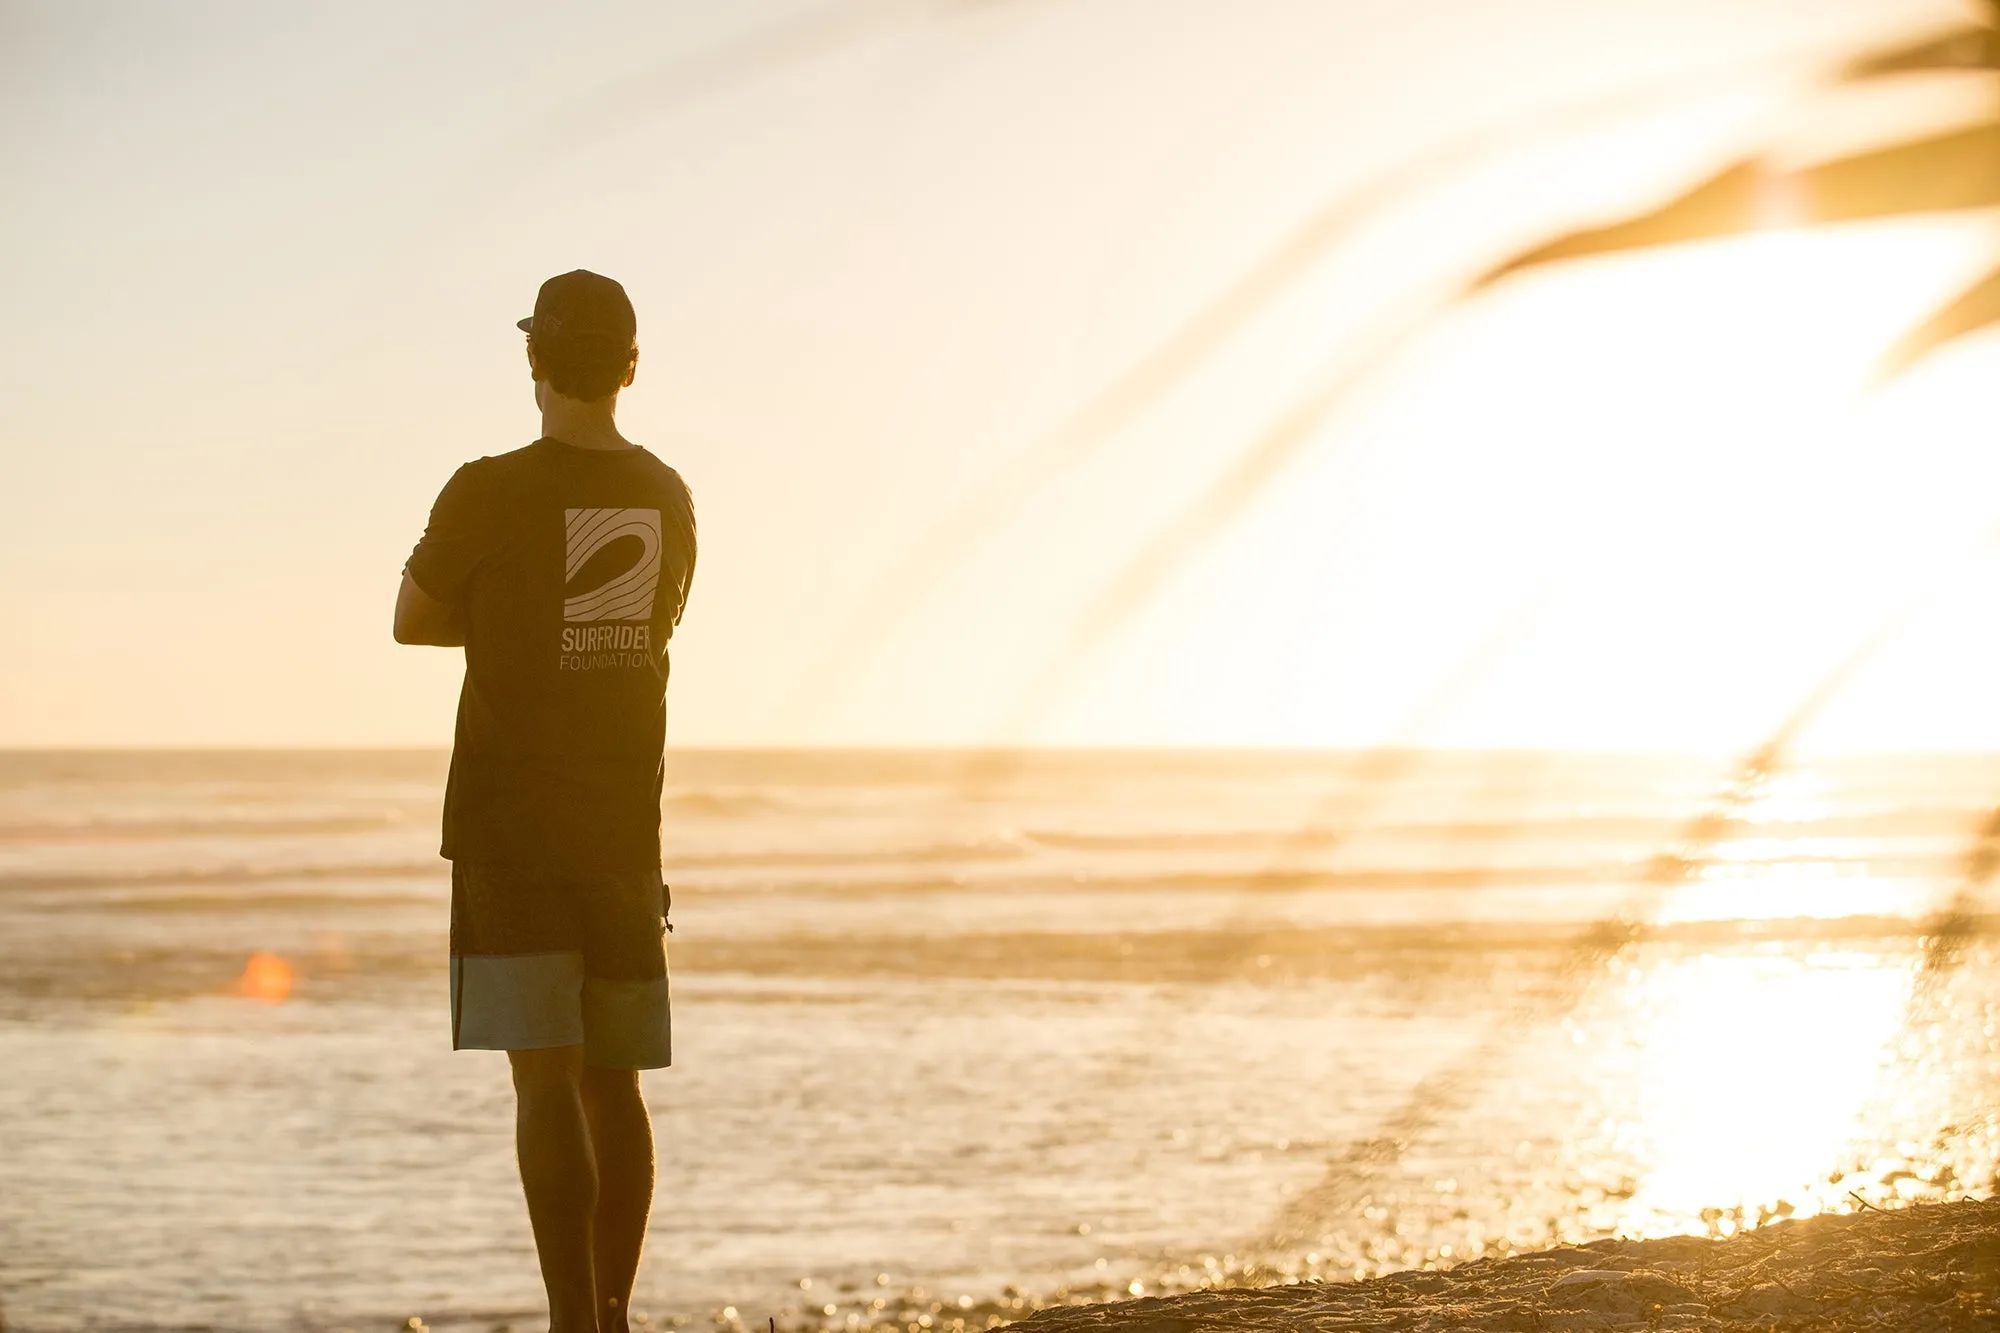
[455, 541]
[682, 575]
[687, 571]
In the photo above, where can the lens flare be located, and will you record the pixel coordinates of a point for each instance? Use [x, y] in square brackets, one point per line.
[266, 977]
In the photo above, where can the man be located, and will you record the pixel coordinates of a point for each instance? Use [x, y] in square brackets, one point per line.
[562, 569]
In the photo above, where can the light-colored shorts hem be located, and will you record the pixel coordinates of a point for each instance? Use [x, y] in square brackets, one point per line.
[532, 1002]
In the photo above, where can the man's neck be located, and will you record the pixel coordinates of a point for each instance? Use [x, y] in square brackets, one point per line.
[584, 425]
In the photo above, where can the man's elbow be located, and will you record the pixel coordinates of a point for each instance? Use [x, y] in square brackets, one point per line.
[426, 635]
[421, 620]
[403, 625]
[412, 626]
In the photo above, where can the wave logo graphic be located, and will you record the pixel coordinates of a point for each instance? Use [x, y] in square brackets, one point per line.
[611, 565]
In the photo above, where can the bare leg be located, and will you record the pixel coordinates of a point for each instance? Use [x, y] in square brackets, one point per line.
[621, 1131]
[559, 1176]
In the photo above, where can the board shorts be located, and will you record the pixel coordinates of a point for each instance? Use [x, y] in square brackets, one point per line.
[545, 958]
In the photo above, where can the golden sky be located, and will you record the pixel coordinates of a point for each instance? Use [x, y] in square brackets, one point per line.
[266, 262]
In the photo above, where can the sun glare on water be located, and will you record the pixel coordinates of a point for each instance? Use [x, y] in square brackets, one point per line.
[1792, 890]
[1751, 1074]
[1750, 1071]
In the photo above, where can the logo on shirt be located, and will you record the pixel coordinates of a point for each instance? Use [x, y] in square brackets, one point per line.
[611, 564]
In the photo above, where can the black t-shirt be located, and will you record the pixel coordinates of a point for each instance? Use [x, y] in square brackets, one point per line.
[570, 567]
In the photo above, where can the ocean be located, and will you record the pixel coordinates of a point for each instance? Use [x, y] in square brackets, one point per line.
[960, 1033]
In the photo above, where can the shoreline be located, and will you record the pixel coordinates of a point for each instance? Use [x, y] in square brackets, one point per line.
[1927, 1268]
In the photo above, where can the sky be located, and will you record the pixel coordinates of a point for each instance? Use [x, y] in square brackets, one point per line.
[888, 260]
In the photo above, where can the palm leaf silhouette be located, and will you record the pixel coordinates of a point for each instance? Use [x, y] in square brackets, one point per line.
[1977, 307]
[1176, 358]
[1956, 170]
[1951, 171]
[1974, 46]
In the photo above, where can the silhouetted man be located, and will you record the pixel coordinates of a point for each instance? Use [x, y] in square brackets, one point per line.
[562, 569]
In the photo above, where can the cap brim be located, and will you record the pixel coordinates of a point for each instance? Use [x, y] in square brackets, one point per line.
[525, 325]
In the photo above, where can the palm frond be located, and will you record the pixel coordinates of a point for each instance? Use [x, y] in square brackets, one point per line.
[1975, 308]
[1956, 170]
[1971, 47]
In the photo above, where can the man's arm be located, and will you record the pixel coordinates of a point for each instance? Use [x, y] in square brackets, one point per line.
[421, 618]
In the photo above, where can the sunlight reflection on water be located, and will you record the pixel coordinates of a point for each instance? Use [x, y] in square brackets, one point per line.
[1800, 890]
[1752, 1073]
[1791, 798]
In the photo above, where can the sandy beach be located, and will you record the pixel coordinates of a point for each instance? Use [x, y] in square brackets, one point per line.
[1926, 1269]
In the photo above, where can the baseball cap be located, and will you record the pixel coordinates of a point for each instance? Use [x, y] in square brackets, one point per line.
[581, 306]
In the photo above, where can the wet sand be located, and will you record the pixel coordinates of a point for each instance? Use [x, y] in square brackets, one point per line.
[1925, 1269]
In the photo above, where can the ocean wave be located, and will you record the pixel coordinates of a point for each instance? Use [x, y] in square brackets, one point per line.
[1391, 953]
[998, 867]
[807, 858]
[720, 804]
[214, 826]
[1281, 880]
[1898, 822]
[87, 880]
